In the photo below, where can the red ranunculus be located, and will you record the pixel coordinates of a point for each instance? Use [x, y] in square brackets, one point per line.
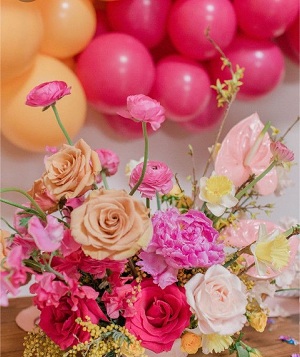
[161, 316]
[58, 322]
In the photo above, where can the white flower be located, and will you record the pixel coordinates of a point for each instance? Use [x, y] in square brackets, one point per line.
[284, 180]
[131, 165]
[218, 192]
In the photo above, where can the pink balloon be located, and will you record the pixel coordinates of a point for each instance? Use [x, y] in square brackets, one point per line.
[292, 37]
[126, 128]
[265, 18]
[182, 87]
[112, 67]
[189, 19]
[209, 117]
[263, 62]
[145, 20]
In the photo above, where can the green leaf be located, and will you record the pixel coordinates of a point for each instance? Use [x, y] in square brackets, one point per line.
[241, 352]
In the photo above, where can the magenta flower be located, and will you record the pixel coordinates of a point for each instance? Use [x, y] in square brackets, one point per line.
[280, 152]
[47, 93]
[47, 237]
[144, 109]
[158, 178]
[180, 241]
[109, 161]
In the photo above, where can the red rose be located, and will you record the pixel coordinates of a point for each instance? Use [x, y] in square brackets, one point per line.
[161, 316]
[58, 322]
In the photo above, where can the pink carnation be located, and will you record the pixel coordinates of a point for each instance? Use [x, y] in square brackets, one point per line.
[180, 241]
[280, 152]
[158, 178]
[109, 161]
[47, 94]
[144, 109]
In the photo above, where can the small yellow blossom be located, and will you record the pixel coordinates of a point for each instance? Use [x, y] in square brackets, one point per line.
[132, 350]
[215, 343]
[190, 343]
[258, 320]
[255, 353]
[271, 250]
[218, 193]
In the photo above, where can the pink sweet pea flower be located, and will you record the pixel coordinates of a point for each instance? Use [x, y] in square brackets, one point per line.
[158, 178]
[281, 153]
[109, 161]
[47, 93]
[144, 109]
[47, 237]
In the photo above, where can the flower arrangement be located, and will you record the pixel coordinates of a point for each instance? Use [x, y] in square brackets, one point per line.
[114, 276]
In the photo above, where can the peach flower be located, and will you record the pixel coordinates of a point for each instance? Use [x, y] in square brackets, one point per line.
[111, 224]
[42, 196]
[4, 235]
[190, 342]
[71, 171]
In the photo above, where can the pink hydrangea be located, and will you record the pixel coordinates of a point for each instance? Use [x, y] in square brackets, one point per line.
[158, 178]
[47, 93]
[180, 241]
[109, 161]
[144, 109]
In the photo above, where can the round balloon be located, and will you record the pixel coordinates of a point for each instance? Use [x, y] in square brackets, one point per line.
[144, 20]
[28, 127]
[209, 117]
[69, 26]
[22, 31]
[292, 38]
[263, 62]
[112, 67]
[189, 20]
[182, 86]
[265, 18]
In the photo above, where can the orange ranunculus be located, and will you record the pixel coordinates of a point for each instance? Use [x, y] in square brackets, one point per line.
[72, 171]
[190, 343]
[111, 224]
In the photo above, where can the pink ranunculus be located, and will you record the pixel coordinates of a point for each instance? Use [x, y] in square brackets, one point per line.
[59, 322]
[47, 93]
[180, 241]
[218, 298]
[109, 161]
[161, 316]
[144, 109]
[158, 178]
[281, 152]
[47, 237]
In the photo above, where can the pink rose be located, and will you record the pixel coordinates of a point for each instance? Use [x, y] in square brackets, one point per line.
[47, 94]
[109, 161]
[158, 178]
[59, 321]
[161, 316]
[144, 109]
[218, 299]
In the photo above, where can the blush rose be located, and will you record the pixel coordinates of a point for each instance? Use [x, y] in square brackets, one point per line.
[71, 171]
[161, 316]
[111, 224]
[218, 299]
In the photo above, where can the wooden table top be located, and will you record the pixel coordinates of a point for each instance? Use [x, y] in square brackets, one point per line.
[268, 342]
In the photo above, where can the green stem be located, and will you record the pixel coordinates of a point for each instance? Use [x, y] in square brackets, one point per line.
[254, 182]
[148, 202]
[24, 193]
[104, 180]
[53, 106]
[146, 149]
[158, 201]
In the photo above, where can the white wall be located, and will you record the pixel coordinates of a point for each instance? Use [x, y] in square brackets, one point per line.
[170, 144]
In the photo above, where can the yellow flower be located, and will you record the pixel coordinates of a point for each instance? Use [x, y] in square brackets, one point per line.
[270, 250]
[258, 320]
[132, 350]
[218, 193]
[215, 343]
[190, 343]
[255, 353]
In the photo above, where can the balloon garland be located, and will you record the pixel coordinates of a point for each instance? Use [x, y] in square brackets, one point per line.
[107, 50]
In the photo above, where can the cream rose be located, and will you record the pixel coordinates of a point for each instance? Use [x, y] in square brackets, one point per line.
[111, 224]
[71, 171]
[218, 299]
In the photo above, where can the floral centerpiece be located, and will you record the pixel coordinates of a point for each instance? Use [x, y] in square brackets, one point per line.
[114, 276]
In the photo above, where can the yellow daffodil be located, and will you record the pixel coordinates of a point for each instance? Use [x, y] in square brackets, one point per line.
[218, 192]
[271, 250]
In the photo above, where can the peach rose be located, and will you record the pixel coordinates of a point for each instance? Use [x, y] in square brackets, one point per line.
[42, 196]
[111, 224]
[71, 171]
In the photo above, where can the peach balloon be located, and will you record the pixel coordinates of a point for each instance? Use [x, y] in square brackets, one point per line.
[21, 37]
[69, 26]
[31, 129]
